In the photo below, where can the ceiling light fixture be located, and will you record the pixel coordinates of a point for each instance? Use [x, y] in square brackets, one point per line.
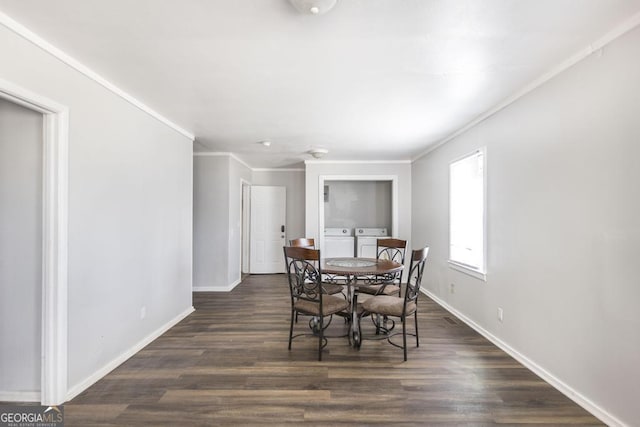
[266, 143]
[318, 152]
[314, 7]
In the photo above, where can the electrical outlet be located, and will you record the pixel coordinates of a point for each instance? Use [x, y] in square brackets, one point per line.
[500, 314]
[452, 288]
[143, 312]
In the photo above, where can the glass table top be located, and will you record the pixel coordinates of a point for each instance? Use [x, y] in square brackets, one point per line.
[350, 263]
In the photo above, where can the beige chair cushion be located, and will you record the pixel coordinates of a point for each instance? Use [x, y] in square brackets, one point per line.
[331, 288]
[374, 289]
[387, 305]
[330, 305]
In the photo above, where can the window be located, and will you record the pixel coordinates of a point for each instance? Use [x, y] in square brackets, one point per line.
[467, 214]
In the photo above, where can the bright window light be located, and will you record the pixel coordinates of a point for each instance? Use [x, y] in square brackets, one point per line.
[467, 211]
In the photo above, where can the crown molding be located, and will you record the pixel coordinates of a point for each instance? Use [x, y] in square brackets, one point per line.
[344, 162]
[278, 170]
[356, 162]
[32, 37]
[239, 160]
[211, 154]
[615, 33]
[242, 162]
[222, 154]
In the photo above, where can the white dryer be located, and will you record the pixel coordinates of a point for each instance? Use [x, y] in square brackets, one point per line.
[338, 242]
[367, 241]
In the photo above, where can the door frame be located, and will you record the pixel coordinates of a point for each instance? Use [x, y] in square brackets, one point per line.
[245, 226]
[53, 384]
[394, 199]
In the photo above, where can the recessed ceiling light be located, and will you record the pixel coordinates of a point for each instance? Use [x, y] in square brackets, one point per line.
[266, 143]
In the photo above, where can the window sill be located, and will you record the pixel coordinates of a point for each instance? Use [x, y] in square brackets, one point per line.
[482, 275]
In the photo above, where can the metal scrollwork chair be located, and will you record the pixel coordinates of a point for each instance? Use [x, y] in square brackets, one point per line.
[388, 284]
[330, 286]
[392, 306]
[307, 295]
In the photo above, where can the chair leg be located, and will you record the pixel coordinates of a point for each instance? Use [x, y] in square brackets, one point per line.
[320, 335]
[291, 328]
[416, 321]
[404, 338]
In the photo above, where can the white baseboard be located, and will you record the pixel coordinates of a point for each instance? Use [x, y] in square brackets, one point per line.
[19, 396]
[92, 379]
[562, 387]
[227, 288]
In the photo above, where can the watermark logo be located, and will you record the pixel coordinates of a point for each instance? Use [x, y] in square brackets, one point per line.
[31, 416]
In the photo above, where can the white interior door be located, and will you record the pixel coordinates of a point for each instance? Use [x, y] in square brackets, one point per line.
[268, 215]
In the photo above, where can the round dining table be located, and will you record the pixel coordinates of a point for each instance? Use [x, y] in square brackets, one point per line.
[351, 269]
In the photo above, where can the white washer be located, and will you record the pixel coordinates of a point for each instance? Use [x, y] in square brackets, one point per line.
[338, 242]
[367, 241]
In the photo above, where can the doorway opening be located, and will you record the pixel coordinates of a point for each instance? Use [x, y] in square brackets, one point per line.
[347, 184]
[54, 203]
[20, 251]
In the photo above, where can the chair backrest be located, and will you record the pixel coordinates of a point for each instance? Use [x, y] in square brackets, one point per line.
[303, 273]
[393, 250]
[414, 277]
[303, 242]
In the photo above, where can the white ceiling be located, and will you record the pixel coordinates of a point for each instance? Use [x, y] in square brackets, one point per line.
[369, 80]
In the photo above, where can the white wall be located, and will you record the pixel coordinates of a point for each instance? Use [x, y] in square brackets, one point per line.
[217, 221]
[361, 204]
[563, 228]
[210, 221]
[314, 170]
[293, 180]
[130, 212]
[238, 172]
[20, 249]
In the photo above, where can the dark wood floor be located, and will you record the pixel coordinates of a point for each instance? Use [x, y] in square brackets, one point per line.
[228, 363]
